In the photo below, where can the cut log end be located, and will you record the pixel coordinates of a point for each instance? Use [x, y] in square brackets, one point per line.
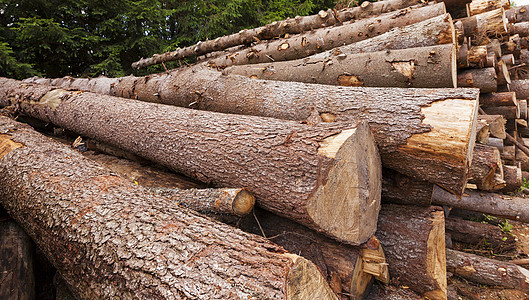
[304, 281]
[352, 186]
[436, 254]
[243, 203]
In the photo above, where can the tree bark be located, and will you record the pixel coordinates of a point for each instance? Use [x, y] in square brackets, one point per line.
[508, 112]
[401, 189]
[330, 173]
[502, 73]
[411, 67]
[489, 24]
[279, 28]
[16, 255]
[477, 7]
[110, 238]
[223, 201]
[495, 47]
[485, 79]
[521, 88]
[514, 208]
[482, 133]
[324, 39]
[399, 118]
[475, 233]
[355, 266]
[477, 56]
[513, 178]
[498, 99]
[486, 161]
[413, 238]
[487, 271]
[518, 14]
[496, 124]
[521, 29]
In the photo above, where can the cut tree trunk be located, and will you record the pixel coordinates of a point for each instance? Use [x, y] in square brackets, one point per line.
[476, 233]
[485, 79]
[513, 177]
[229, 201]
[502, 73]
[488, 24]
[496, 124]
[108, 237]
[508, 112]
[17, 280]
[514, 208]
[477, 7]
[411, 67]
[482, 133]
[498, 99]
[401, 189]
[487, 271]
[509, 59]
[477, 56]
[413, 238]
[279, 28]
[399, 118]
[355, 266]
[521, 29]
[462, 56]
[324, 39]
[486, 162]
[518, 14]
[521, 88]
[330, 173]
[495, 47]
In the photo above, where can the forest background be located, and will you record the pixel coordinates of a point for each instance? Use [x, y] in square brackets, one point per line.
[100, 37]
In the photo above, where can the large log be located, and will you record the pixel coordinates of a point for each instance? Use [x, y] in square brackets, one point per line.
[324, 39]
[109, 238]
[399, 118]
[488, 24]
[355, 266]
[324, 176]
[280, 28]
[411, 67]
[17, 280]
[413, 238]
[487, 271]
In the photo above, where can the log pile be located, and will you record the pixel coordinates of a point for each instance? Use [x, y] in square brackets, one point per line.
[355, 133]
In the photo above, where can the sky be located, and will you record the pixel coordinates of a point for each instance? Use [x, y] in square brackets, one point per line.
[521, 2]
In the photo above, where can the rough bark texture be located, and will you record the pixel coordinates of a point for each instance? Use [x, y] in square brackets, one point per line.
[477, 56]
[229, 201]
[489, 203]
[486, 161]
[518, 14]
[351, 264]
[512, 176]
[324, 39]
[398, 117]
[390, 292]
[470, 232]
[489, 24]
[477, 7]
[279, 28]
[521, 29]
[17, 280]
[487, 271]
[521, 88]
[413, 238]
[401, 189]
[482, 133]
[109, 238]
[411, 67]
[498, 99]
[485, 79]
[303, 172]
[508, 112]
[496, 124]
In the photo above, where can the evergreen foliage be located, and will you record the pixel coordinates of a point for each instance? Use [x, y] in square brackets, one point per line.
[100, 37]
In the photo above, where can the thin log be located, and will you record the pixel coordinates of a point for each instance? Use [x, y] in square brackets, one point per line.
[513, 178]
[491, 61]
[355, 266]
[496, 124]
[518, 14]
[477, 7]
[509, 59]
[487, 271]
[477, 56]
[485, 79]
[271, 158]
[514, 208]
[413, 238]
[509, 154]
[279, 28]
[521, 88]
[483, 133]
[495, 47]
[398, 68]
[521, 29]
[498, 99]
[398, 122]
[522, 105]
[477, 233]
[502, 73]
[17, 280]
[462, 56]
[110, 238]
[508, 112]
[486, 162]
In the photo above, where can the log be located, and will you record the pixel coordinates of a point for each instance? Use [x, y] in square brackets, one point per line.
[522, 29]
[509, 154]
[413, 238]
[486, 162]
[279, 28]
[497, 143]
[383, 292]
[513, 178]
[462, 56]
[398, 68]
[320, 167]
[17, 279]
[223, 201]
[508, 112]
[495, 47]
[489, 24]
[477, 7]
[498, 99]
[477, 56]
[355, 266]
[485, 79]
[502, 73]
[483, 133]
[487, 271]
[401, 189]
[496, 124]
[397, 117]
[509, 59]
[491, 61]
[518, 14]
[521, 88]
[514, 208]
[477, 233]
[522, 105]
[324, 39]
[522, 158]
[110, 238]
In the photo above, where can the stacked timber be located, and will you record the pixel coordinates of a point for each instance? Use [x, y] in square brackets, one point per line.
[354, 132]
